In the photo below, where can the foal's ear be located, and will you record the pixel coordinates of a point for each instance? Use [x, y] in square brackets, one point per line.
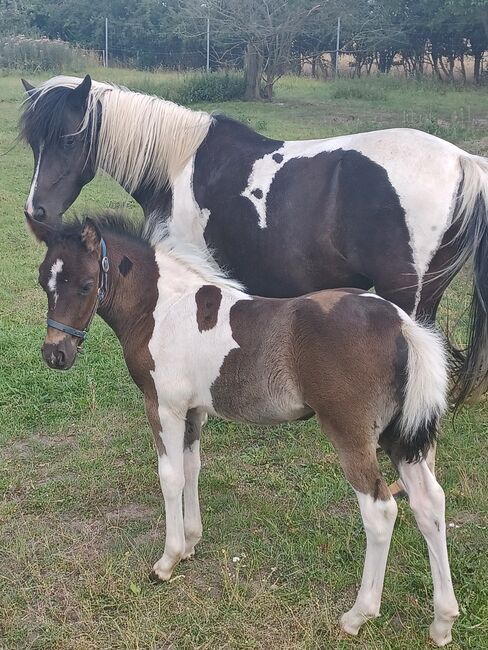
[79, 95]
[41, 231]
[90, 235]
[29, 88]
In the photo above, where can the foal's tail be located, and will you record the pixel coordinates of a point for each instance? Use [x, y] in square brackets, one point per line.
[471, 365]
[425, 389]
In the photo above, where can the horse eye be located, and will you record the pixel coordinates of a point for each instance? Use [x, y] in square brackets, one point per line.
[86, 287]
[68, 141]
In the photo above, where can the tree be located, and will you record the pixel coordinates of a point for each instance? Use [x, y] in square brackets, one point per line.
[260, 33]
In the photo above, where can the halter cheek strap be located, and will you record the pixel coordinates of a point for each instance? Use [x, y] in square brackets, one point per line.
[101, 294]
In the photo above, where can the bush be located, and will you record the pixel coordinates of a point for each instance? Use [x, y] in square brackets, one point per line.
[39, 54]
[192, 88]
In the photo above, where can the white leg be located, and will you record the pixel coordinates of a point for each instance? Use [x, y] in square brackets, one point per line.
[378, 519]
[172, 479]
[192, 519]
[428, 504]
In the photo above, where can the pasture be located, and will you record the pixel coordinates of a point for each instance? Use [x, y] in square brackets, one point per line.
[81, 519]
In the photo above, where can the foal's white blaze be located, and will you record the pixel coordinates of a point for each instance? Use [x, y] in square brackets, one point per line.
[427, 193]
[29, 206]
[378, 520]
[56, 269]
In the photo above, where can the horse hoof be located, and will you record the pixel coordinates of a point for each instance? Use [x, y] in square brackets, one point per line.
[155, 579]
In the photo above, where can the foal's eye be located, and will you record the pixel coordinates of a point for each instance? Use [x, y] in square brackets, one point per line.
[86, 287]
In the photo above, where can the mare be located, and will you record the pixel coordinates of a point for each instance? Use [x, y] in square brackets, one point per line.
[196, 344]
[397, 209]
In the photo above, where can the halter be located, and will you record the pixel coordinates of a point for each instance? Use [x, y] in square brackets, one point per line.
[101, 294]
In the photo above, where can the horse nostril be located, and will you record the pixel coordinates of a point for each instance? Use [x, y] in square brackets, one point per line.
[60, 358]
[39, 214]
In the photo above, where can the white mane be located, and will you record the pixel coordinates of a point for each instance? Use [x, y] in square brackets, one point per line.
[141, 137]
[196, 260]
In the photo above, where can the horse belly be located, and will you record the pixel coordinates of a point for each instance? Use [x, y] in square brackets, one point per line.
[267, 399]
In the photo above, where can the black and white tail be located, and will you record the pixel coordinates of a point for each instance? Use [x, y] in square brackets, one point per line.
[471, 377]
[426, 387]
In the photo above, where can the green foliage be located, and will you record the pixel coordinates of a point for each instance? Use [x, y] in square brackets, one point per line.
[212, 88]
[33, 54]
[193, 88]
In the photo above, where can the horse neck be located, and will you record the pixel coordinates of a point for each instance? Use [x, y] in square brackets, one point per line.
[145, 142]
[132, 291]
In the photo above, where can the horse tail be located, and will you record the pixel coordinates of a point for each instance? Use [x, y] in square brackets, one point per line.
[425, 390]
[471, 366]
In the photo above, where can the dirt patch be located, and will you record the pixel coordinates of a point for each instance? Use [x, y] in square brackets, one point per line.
[132, 511]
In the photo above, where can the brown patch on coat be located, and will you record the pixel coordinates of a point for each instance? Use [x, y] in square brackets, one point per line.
[333, 353]
[208, 299]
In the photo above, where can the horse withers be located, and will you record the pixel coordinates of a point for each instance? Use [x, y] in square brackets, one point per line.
[195, 343]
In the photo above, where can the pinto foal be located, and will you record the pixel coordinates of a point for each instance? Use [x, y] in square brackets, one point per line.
[195, 343]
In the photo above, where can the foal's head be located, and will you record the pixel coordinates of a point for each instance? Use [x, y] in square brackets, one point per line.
[64, 160]
[71, 277]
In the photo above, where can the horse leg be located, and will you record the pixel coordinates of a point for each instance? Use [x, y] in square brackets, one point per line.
[191, 461]
[172, 479]
[378, 511]
[427, 501]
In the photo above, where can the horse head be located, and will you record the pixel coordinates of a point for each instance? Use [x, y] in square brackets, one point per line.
[72, 275]
[64, 156]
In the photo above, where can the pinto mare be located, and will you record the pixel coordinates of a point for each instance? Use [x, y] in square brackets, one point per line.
[398, 209]
[195, 343]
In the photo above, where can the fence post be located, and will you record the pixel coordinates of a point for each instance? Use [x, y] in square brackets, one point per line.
[106, 42]
[337, 46]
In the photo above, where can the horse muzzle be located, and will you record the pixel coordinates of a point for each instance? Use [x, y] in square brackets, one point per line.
[60, 356]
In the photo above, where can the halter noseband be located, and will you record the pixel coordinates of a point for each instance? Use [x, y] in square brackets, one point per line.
[101, 294]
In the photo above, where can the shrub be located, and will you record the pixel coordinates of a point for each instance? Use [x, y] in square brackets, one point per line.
[213, 87]
[39, 54]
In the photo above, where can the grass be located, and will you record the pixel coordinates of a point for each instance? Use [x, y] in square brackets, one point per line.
[80, 510]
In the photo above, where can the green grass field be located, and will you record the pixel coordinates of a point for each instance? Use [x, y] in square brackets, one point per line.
[81, 518]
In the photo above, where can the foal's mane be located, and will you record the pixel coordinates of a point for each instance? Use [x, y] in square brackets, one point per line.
[138, 138]
[192, 258]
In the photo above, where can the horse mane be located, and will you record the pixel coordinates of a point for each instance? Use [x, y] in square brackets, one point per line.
[199, 261]
[137, 137]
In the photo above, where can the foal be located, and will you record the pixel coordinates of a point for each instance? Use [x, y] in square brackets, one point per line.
[196, 344]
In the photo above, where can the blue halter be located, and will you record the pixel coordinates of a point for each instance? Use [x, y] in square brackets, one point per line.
[101, 294]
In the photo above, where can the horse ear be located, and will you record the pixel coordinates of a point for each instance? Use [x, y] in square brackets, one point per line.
[79, 95]
[41, 231]
[90, 235]
[29, 88]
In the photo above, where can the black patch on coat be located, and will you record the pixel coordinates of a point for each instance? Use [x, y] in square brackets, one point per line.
[125, 266]
[277, 157]
[331, 220]
[208, 299]
[258, 193]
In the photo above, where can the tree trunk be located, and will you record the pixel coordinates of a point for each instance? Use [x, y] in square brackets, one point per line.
[477, 66]
[253, 70]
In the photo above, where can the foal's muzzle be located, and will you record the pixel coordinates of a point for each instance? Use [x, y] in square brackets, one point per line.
[60, 356]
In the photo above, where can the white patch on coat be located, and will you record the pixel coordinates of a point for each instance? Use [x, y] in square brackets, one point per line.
[56, 269]
[424, 170]
[187, 361]
[188, 221]
[29, 206]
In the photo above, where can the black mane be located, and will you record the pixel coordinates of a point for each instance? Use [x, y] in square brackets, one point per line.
[42, 117]
[107, 222]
